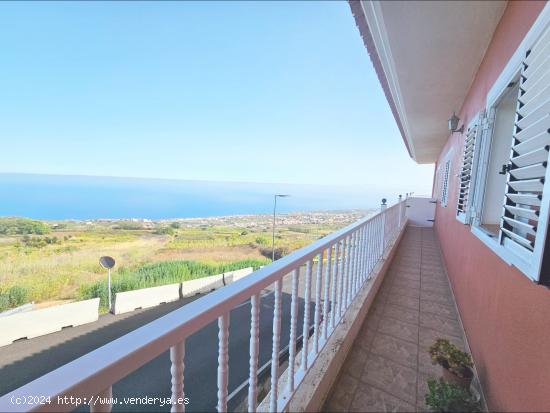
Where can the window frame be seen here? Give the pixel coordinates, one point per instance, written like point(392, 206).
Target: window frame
point(466, 217)
point(532, 268)
point(447, 166)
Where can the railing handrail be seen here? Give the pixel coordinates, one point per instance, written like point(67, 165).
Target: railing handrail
point(91, 373)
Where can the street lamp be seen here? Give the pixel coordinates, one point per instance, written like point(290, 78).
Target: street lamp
point(108, 263)
point(274, 210)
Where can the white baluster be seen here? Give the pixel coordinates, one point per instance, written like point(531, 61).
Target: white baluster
point(347, 262)
point(334, 288)
point(254, 352)
point(326, 292)
point(317, 319)
point(293, 322)
point(223, 361)
point(102, 402)
point(305, 328)
point(358, 260)
point(342, 277)
point(177, 353)
point(275, 349)
point(351, 265)
point(364, 245)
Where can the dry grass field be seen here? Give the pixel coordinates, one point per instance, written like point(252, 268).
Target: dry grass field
point(59, 260)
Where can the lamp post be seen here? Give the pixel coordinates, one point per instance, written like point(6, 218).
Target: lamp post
point(108, 263)
point(274, 211)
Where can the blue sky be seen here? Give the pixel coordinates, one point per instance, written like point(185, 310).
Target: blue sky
point(262, 92)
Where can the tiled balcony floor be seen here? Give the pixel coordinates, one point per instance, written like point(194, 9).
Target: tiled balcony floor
point(388, 365)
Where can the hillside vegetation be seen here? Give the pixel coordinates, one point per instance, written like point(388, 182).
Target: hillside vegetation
point(48, 262)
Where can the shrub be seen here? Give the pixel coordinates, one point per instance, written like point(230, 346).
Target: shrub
point(13, 297)
point(175, 225)
point(22, 226)
point(445, 397)
point(449, 356)
point(129, 225)
point(280, 252)
point(165, 231)
point(160, 273)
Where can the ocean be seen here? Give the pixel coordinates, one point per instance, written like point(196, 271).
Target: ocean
point(59, 197)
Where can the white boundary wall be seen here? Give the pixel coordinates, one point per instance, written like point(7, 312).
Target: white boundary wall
point(149, 297)
point(146, 297)
point(36, 323)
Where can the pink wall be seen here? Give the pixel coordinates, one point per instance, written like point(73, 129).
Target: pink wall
point(506, 316)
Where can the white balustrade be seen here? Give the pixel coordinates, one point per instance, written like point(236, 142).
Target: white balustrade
point(277, 308)
point(327, 285)
point(293, 323)
point(351, 255)
point(317, 318)
point(223, 361)
point(305, 328)
point(254, 352)
point(177, 353)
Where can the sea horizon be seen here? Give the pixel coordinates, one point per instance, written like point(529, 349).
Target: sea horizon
point(78, 197)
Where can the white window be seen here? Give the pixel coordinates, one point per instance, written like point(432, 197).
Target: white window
point(470, 155)
point(497, 141)
point(511, 200)
point(445, 185)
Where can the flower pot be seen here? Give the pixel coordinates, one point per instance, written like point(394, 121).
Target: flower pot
point(464, 380)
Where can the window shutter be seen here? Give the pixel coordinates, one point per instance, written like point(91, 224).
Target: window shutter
point(468, 170)
point(524, 221)
point(445, 189)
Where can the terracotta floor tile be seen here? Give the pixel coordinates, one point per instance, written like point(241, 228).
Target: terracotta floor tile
point(400, 351)
point(355, 362)
point(401, 314)
point(399, 329)
point(437, 297)
point(370, 399)
point(344, 390)
point(403, 301)
point(442, 324)
point(389, 363)
point(394, 378)
point(406, 291)
point(443, 310)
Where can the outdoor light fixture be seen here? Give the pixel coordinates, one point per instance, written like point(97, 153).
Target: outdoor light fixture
point(108, 263)
point(453, 124)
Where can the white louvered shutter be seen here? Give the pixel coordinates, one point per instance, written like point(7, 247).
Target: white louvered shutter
point(524, 222)
point(445, 188)
point(468, 171)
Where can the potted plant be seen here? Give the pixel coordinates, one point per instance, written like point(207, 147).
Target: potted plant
point(457, 365)
point(446, 397)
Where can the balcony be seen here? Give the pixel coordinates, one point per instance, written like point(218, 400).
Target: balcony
point(372, 297)
point(388, 365)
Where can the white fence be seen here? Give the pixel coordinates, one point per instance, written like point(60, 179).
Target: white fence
point(36, 323)
point(345, 260)
point(149, 297)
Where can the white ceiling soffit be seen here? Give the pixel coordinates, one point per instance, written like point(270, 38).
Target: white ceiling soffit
point(430, 52)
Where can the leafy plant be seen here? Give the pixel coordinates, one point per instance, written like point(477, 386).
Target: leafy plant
point(446, 354)
point(13, 297)
point(165, 230)
point(22, 226)
point(445, 397)
point(161, 273)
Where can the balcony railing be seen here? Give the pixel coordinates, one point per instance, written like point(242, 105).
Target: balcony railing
point(344, 261)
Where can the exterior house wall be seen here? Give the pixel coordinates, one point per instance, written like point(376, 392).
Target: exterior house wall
point(505, 315)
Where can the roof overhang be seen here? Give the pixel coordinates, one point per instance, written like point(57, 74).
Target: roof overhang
point(426, 55)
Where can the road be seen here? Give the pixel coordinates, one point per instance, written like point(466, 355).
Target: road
point(27, 360)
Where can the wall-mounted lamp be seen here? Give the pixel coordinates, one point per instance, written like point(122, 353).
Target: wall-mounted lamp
point(453, 124)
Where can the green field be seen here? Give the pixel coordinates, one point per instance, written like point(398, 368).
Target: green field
point(50, 262)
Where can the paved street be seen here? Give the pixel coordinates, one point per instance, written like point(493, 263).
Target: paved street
point(26, 360)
